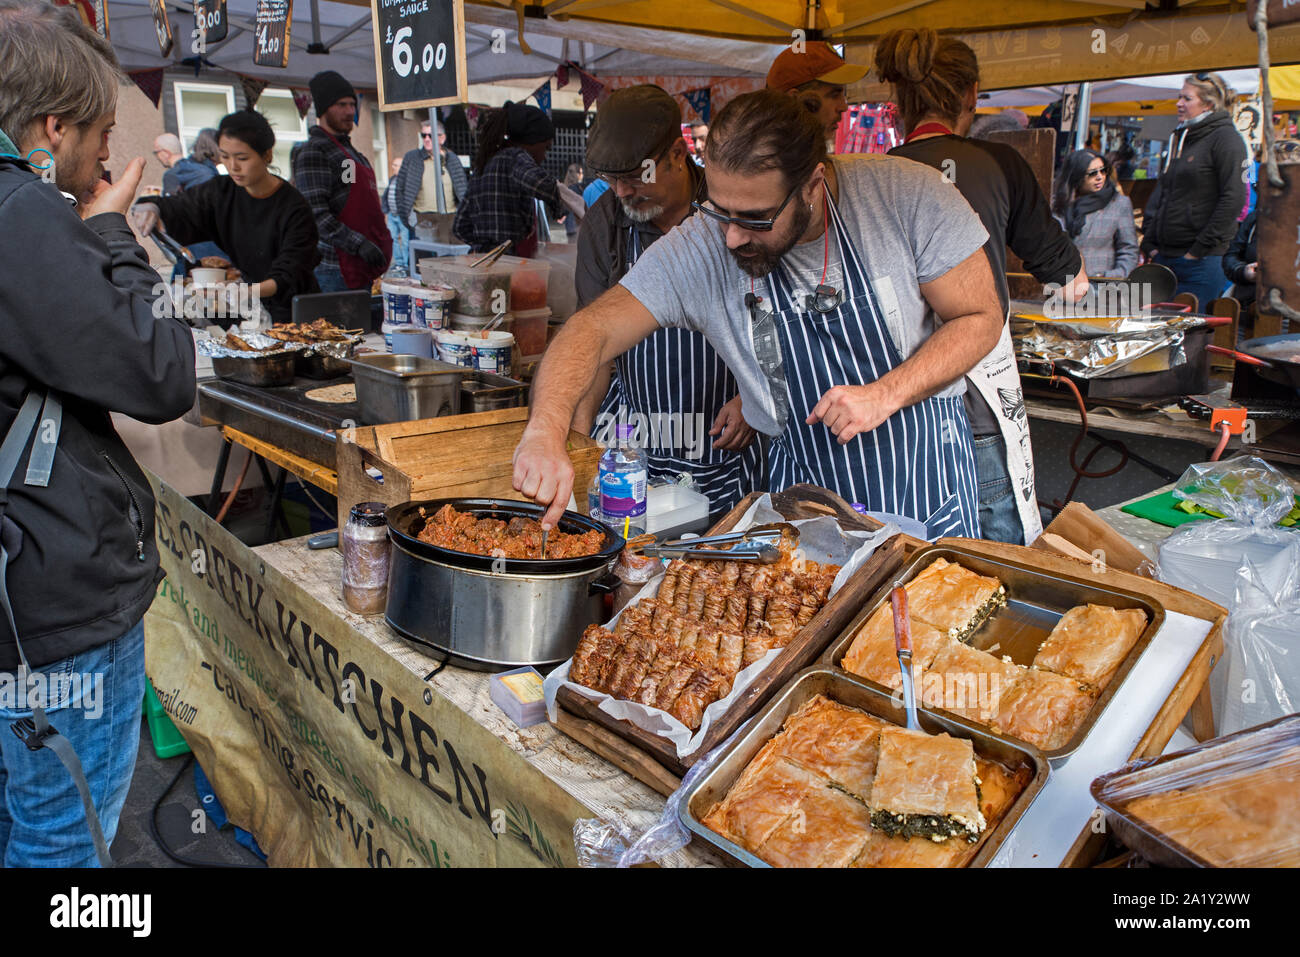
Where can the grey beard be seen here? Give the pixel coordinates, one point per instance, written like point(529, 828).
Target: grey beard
point(643, 213)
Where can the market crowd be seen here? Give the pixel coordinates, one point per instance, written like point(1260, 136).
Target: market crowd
point(836, 319)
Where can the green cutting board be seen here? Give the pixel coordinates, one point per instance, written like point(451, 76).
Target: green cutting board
point(1163, 510)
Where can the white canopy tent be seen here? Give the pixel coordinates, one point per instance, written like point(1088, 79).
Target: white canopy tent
point(343, 35)
point(1136, 89)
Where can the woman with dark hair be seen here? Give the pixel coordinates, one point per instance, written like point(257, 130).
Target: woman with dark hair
point(508, 177)
point(936, 86)
point(1192, 215)
point(263, 223)
point(1097, 215)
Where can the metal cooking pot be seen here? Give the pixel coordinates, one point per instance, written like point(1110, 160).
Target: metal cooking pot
point(491, 614)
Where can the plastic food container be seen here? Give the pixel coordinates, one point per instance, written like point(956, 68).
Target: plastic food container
point(519, 694)
point(397, 301)
point(528, 283)
point(454, 347)
point(493, 352)
point(430, 306)
point(675, 510)
point(529, 330)
point(413, 341)
point(206, 276)
point(481, 291)
point(460, 322)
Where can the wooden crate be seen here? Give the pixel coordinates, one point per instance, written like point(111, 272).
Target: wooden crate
point(652, 759)
point(456, 455)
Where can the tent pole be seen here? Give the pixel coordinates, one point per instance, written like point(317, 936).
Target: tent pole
point(1083, 116)
point(315, 22)
point(437, 159)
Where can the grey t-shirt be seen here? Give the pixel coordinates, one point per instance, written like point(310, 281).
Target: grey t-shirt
point(909, 227)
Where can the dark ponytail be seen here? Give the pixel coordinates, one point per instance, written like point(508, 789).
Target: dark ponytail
point(930, 74)
point(491, 138)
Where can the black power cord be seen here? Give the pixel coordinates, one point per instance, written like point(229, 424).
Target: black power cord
point(157, 835)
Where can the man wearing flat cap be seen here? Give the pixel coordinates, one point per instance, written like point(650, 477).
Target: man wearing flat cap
point(817, 76)
point(338, 183)
point(673, 386)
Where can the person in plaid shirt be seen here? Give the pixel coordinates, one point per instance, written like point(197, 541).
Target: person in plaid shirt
point(338, 183)
point(508, 176)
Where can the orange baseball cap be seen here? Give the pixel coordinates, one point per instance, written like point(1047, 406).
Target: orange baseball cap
point(818, 61)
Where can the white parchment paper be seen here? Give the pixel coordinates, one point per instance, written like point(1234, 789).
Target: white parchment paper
point(822, 541)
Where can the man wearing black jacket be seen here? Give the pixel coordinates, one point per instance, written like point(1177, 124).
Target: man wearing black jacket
point(79, 306)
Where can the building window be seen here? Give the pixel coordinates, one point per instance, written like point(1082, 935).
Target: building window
point(200, 105)
point(290, 129)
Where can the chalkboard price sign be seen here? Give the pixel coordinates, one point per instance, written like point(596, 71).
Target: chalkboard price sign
point(420, 52)
point(271, 33)
point(210, 20)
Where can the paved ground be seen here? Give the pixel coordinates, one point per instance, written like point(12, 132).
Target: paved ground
point(136, 847)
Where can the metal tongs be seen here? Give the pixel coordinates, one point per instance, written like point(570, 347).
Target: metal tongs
point(491, 256)
point(758, 544)
point(903, 644)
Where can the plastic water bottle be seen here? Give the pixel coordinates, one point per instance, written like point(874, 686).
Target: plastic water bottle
point(593, 497)
point(624, 472)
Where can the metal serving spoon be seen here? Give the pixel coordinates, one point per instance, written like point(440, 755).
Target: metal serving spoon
point(903, 644)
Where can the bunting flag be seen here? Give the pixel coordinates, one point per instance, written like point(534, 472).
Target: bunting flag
point(562, 76)
point(543, 95)
point(699, 101)
point(150, 83)
point(302, 100)
point(592, 89)
point(198, 62)
point(253, 88)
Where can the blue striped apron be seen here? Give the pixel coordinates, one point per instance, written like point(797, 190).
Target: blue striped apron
point(919, 463)
point(677, 371)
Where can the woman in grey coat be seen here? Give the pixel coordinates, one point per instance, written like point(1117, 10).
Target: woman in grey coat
point(1097, 215)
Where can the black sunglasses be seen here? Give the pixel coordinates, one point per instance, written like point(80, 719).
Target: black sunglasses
point(753, 225)
point(1102, 171)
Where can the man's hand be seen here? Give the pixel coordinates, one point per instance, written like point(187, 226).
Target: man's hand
point(373, 256)
point(733, 432)
point(1251, 271)
point(118, 197)
point(544, 473)
point(1191, 257)
point(848, 410)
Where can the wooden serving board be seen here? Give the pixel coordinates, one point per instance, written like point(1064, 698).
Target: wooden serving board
point(639, 746)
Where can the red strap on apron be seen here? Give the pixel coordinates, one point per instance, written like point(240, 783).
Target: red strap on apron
point(926, 128)
point(363, 213)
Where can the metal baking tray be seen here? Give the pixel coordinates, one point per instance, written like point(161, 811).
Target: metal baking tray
point(847, 690)
point(400, 388)
point(1113, 790)
point(260, 370)
point(484, 391)
point(1036, 601)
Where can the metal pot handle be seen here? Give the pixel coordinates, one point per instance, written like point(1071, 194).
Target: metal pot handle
point(604, 585)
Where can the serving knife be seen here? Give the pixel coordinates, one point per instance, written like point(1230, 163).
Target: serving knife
point(903, 644)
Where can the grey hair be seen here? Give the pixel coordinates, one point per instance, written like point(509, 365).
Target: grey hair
point(52, 64)
point(205, 146)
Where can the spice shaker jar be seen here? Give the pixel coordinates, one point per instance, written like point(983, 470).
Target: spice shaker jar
point(367, 553)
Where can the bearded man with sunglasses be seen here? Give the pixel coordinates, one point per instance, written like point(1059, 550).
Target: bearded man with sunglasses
point(674, 376)
point(849, 297)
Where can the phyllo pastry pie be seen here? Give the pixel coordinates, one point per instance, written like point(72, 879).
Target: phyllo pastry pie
point(767, 792)
point(828, 829)
point(968, 682)
point(833, 740)
point(1090, 641)
point(925, 787)
point(1043, 708)
point(873, 655)
point(1206, 826)
point(953, 599)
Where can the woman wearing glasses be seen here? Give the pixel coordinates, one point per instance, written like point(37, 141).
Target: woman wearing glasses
point(936, 84)
point(1097, 215)
point(1201, 192)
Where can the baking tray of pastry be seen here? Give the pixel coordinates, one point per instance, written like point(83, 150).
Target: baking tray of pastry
point(1032, 655)
point(1230, 802)
point(816, 808)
